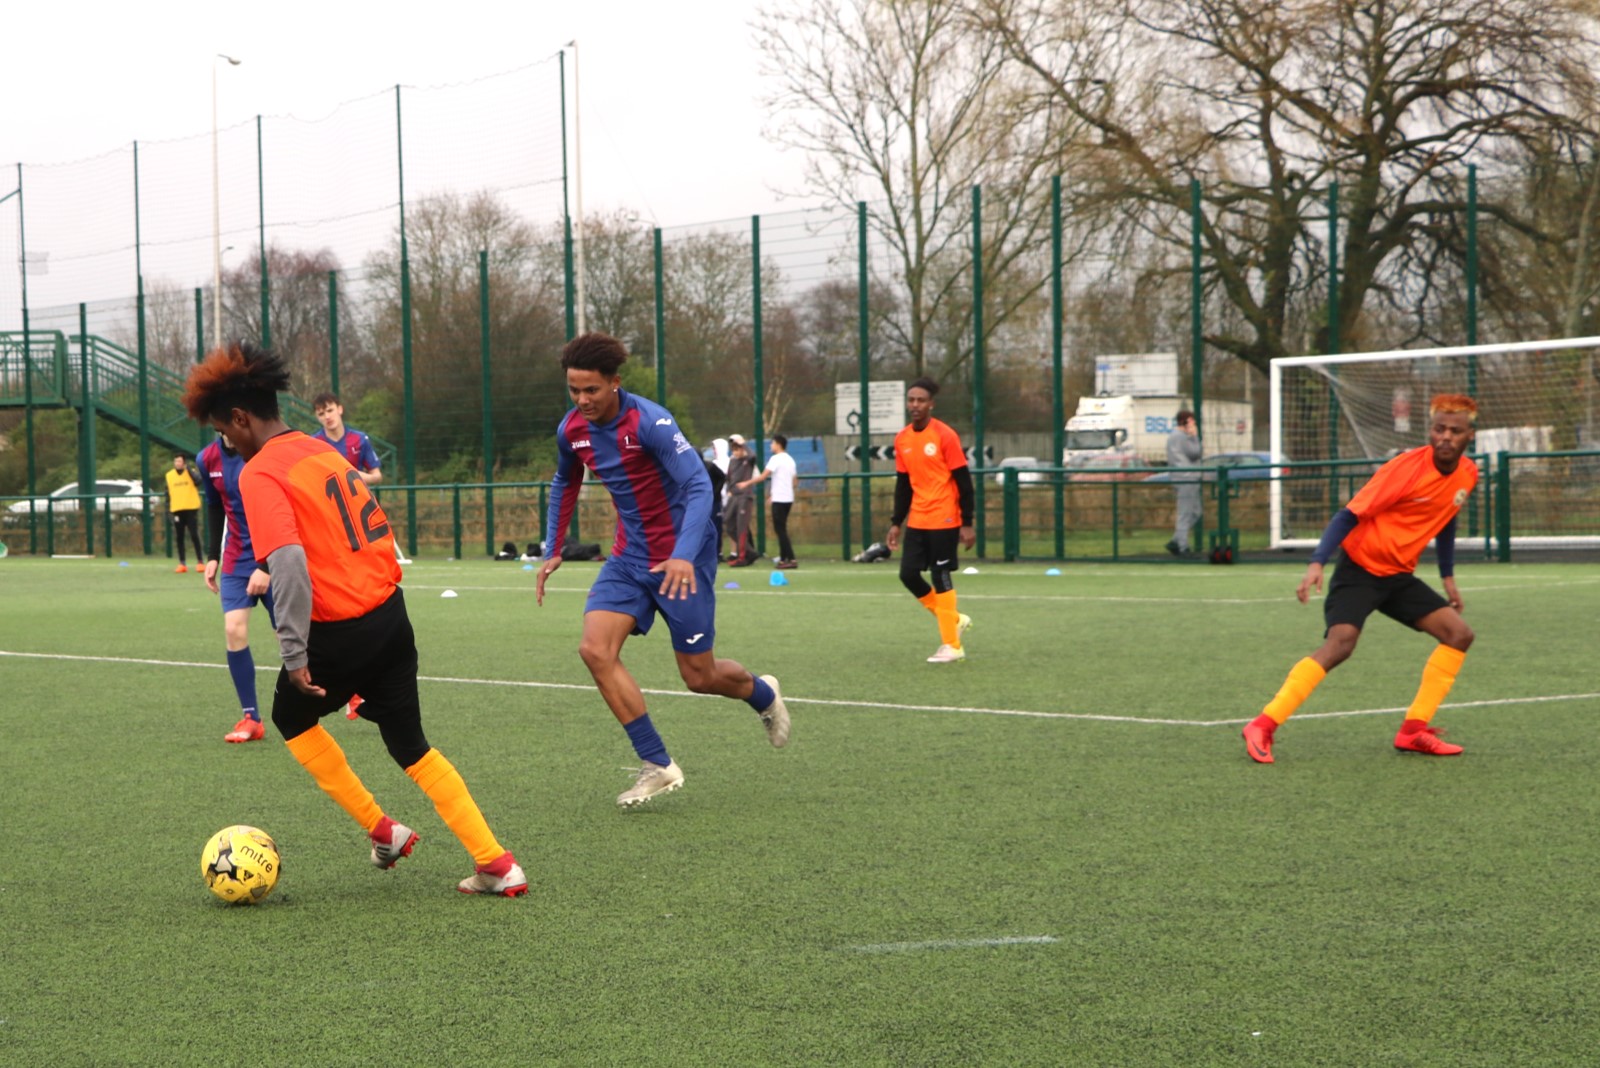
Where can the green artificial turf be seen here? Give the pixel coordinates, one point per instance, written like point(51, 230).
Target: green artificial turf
point(1055, 853)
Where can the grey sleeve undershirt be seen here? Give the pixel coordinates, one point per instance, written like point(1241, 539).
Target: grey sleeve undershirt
point(291, 600)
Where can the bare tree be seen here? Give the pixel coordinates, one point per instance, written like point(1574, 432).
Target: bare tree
point(1266, 103)
point(297, 311)
point(445, 235)
point(897, 106)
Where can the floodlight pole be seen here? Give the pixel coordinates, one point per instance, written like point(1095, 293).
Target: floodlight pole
point(216, 210)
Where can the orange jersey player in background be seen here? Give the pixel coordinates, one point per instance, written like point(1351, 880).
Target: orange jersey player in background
point(1410, 501)
point(933, 499)
point(340, 615)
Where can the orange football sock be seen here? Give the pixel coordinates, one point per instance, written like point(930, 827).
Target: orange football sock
point(949, 618)
point(319, 754)
point(448, 792)
point(1303, 678)
point(1438, 675)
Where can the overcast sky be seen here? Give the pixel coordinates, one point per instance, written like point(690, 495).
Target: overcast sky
point(670, 93)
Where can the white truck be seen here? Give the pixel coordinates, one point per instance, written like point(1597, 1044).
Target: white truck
point(1137, 427)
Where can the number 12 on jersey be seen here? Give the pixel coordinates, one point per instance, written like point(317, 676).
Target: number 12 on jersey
point(370, 525)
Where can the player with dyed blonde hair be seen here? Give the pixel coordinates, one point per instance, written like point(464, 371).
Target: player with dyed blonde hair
point(1411, 500)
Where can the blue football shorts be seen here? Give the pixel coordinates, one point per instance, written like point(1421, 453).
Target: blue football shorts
point(234, 596)
point(630, 587)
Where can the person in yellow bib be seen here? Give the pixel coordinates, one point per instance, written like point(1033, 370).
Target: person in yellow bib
point(183, 504)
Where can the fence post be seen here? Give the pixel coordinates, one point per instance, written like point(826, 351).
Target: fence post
point(455, 518)
point(1116, 521)
point(661, 322)
point(1333, 340)
point(1058, 411)
point(410, 439)
point(488, 403)
point(863, 372)
point(978, 371)
point(1502, 501)
point(261, 208)
point(760, 385)
point(844, 517)
point(1012, 509)
point(86, 433)
point(1197, 345)
point(333, 332)
point(1472, 277)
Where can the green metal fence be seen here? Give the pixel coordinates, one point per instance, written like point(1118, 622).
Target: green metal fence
point(1526, 500)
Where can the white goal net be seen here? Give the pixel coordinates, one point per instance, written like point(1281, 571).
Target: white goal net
point(1335, 418)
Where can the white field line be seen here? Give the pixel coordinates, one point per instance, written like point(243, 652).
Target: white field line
point(954, 943)
point(1159, 721)
point(897, 593)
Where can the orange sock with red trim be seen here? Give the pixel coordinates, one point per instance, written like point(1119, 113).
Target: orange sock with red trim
point(1303, 678)
point(1438, 675)
point(319, 754)
point(448, 792)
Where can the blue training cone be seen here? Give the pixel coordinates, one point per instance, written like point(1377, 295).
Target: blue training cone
point(1052, 571)
point(730, 585)
point(778, 578)
point(527, 567)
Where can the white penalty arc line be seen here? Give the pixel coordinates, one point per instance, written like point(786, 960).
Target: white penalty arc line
point(954, 943)
point(1100, 717)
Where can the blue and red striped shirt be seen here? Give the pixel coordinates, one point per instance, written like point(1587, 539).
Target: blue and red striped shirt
point(219, 477)
point(355, 447)
point(657, 481)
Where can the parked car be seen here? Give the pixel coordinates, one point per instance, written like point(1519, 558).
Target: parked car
point(1106, 467)
point(1240, 465)
point(124, 495)
point(1023, 476)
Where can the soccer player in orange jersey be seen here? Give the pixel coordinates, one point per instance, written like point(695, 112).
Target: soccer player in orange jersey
point(340, 616)
point(1410, 501)
point(933, 500)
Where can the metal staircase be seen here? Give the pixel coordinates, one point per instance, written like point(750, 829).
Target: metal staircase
point(54, 365)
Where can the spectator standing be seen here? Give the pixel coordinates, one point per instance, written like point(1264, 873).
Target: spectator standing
point(741, 507)
point(781, 470)
point(1184, 450)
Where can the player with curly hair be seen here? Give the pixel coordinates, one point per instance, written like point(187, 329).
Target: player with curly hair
point(663, 561)
point(340, 615)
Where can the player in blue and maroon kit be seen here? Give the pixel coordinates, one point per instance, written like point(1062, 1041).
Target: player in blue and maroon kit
point(347, 441)
point(664, 558)
point(231, 570)
point(355, 447)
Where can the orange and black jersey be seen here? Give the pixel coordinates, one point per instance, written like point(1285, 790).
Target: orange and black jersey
point(299, 491)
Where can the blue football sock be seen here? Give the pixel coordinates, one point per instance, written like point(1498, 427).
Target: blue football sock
point(242, 666)
point(646, 742)
point(761, 695)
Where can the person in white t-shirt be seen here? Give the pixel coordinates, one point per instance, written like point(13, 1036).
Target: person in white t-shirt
point(781, 469)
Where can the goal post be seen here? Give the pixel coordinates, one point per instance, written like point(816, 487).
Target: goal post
point(1335, 418)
